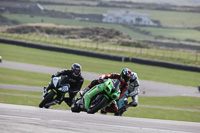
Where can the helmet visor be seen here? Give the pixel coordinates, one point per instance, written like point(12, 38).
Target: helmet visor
point(126, 78)
point(76, 72)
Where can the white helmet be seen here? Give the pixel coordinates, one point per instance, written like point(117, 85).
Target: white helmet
point(134, 76)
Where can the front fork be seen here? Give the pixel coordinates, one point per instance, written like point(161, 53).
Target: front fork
point(48, 89)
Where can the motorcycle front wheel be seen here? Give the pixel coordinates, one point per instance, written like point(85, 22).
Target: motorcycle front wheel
point(97, 103)
point(47, 99)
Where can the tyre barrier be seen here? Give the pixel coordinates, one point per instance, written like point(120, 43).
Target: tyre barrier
point(165, 64)
point(66, 50)
point(102, 55)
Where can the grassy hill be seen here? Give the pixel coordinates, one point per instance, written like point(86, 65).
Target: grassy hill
point(178, 25)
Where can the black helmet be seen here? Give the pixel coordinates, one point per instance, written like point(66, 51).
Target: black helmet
point(76, 69)
point(125, 74)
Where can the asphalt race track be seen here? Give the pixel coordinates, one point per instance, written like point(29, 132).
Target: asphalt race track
point(23, 119)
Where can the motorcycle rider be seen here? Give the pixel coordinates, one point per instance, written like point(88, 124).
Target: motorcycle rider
point(133, 89)
point(133, 92)
point(75, 81)
point(123, 77)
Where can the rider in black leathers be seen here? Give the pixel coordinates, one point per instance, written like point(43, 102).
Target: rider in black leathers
point(75, 81)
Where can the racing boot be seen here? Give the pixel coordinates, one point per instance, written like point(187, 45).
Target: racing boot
point(112, 108)
point(68, 101)
point(54, 102)
point(134, 103)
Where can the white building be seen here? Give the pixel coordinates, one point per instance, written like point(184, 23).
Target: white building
point(127, 17)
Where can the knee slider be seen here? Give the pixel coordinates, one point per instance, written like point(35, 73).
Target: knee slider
point(134, 104)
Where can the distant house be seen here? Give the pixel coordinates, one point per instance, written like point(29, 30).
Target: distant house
point(127, 17)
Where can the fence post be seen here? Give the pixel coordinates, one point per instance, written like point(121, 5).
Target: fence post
point(163, 54)
point(155, 52)
point(122, 59)
point(188, 56)
point(147, 52)
point(97, 45)
point(171, 54)
point(140, 50)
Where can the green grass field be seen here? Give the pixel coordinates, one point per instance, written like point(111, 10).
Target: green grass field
point(174, 19)
point(181, 34)
point(77, 9)
point(63, 60)
point(170, 55)
point(174, 33)
point(167, 18)
point(18, 77)
point(89, 2)
point(165, 114)
point(70, 22)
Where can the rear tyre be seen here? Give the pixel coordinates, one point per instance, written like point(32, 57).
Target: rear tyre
point(47, 99)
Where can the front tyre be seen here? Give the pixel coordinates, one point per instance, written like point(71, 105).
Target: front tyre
point(95, 106)
point(47, 99)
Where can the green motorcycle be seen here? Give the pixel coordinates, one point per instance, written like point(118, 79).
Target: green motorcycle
point(97, 97)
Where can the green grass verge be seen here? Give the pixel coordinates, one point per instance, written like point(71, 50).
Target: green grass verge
point(175, 101)
point(63, 60)
point(19, 77)
point(30, 98)
point(165, 114)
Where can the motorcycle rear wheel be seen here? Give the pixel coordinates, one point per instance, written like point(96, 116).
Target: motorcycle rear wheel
point(93, 108)
point(47, 99)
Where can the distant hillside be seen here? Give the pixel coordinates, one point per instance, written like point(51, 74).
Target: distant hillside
point(168, 2)
point(4, 21)
point(68, 31)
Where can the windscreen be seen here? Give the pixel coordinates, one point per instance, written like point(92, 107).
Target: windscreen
point(116, 84)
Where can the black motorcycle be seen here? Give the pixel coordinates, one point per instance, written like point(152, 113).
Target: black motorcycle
point(57, 89)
